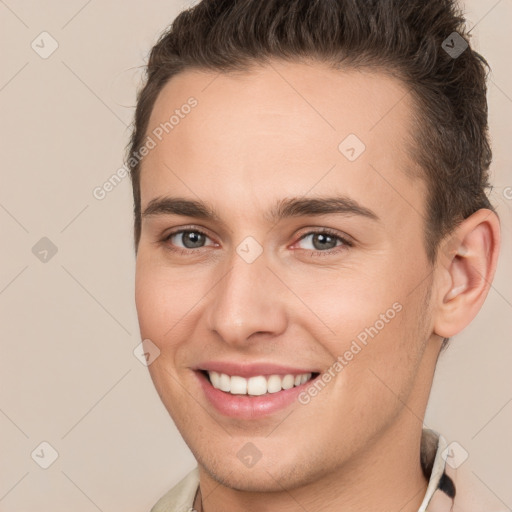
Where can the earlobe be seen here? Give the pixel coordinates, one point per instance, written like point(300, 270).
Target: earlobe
point(465, 279)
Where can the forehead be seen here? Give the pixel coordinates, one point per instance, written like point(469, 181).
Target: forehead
point(283, 129)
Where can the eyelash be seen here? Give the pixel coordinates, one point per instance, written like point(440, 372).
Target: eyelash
point(324, 231)
point(345, 243)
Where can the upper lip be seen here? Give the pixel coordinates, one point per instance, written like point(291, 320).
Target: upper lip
point(252, 370)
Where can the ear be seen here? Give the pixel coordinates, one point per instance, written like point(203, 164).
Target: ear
point(465, 269)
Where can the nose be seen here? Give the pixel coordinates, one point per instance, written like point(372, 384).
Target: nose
point(247, 303)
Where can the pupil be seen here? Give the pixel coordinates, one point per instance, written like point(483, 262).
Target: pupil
point(192, 239)
point(323, 238)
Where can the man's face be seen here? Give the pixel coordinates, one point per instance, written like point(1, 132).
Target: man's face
point(255, 141)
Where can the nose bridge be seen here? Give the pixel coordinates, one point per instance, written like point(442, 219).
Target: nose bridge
point(245, 301)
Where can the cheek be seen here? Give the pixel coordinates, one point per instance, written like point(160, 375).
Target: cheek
point(391, 356)
point(155, 299)
point(167, 300)
point(161, 310)
point(345, 305)
point(370, 325)
point(148, 301)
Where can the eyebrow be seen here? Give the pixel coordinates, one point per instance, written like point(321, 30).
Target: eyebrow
point(285, 208)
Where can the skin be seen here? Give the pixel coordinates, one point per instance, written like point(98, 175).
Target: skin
point(262, 136)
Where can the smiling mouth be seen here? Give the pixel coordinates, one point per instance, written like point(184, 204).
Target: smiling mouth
point(257, 385)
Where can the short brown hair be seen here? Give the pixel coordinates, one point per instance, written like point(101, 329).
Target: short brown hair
point(403, 38)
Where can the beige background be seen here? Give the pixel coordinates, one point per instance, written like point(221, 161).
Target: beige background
point(68, 326)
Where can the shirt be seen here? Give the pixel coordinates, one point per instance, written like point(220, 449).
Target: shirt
point(452, 486)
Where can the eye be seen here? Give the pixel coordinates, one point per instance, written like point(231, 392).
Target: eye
point(324, 240)
point(190, 239)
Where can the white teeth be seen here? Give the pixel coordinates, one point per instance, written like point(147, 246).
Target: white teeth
point(258, 385)
point(288, 381)
point(274, 384)
point(215, 378)
point(238, 385)
point(224, 382)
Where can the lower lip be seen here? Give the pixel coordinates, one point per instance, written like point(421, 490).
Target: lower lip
point(250, 407)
